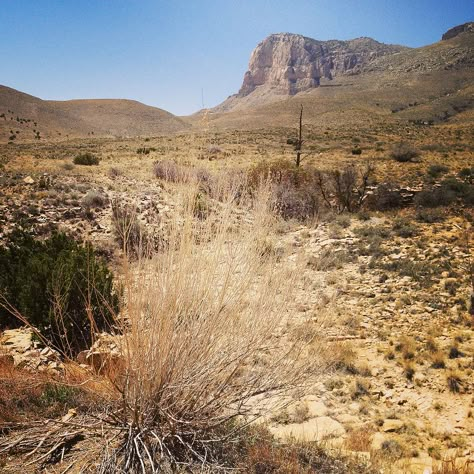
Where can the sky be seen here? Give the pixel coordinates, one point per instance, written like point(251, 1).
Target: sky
point(181, 54)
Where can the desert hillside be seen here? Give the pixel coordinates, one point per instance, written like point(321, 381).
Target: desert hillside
point(27, 117)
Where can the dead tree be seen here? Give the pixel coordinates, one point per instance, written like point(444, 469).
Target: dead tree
point(299, 141)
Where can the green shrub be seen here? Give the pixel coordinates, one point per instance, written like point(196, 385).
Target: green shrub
point(434, 198)
point(437, 170)
point(385, 197)
point(429, 216)
point(404, 228)
point(357, 151)
point(467, 175)
point(87, 159)
point(404, 152)
point(57, 285)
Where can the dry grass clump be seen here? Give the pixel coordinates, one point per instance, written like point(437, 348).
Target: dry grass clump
point(170, 171)
point(359, 439)
point(454, 381)
point(204, 351)
point(202, 317)
point(407, 346)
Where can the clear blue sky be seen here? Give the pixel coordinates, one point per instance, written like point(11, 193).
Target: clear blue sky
point(163, 52)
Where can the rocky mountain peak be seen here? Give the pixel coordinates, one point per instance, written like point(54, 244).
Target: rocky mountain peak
point(457, 30)
point(291, 63)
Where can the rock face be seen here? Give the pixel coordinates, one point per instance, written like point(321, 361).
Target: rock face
point(457, 30)
point(293, 63)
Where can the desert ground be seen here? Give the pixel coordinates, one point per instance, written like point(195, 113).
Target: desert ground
point(381, 295)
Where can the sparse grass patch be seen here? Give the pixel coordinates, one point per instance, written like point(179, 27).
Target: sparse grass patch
point(404, 228)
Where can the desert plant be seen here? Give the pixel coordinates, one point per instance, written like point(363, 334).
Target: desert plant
point(437, 170)
point(86, 159)
point(404, 152)
point(200, 338)
point(454, 381)
point(58, 286)
point(171, 171)
point(467, 175)
point(94, 199)
point(129, 233)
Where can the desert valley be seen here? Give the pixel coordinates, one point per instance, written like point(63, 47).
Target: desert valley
point(283, 283)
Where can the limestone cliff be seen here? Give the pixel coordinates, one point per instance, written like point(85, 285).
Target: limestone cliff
point(291, 63)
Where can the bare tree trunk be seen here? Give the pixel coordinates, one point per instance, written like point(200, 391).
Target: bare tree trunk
point(299, 142)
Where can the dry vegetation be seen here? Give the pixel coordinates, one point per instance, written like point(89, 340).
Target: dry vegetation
point(307, 305)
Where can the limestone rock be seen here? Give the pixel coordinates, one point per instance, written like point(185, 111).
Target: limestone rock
point(457, 30)
point(315, 429)
point(390, 425)
point(293, 63)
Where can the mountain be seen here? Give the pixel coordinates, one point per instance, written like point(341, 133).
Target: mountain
point(26, 116)
point(343, 82)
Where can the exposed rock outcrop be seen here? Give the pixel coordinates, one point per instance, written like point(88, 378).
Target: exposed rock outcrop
point(293, 63)
point(457, 30)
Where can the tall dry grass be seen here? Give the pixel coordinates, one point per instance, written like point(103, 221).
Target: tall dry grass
point(204, 339)
point(203, 334)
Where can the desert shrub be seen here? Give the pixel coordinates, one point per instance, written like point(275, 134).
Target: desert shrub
point(56, 285)
point(385, 197)
point(450, 190)
point(392, 448)
point(454, 381)
point(356, 151)
point(429, 216)
point(170, 171)
point(437, 360)
point(129, 233)
point(87, 159)
point(295, 192)
point(278, 172)
point(201, 316)
point(434, 198)
point(94, 199)
point(404, 228)
point(145, 150)
point(345, 189)
point(373, 231)
point(404, 152)
point(437, 170)
point(261, 454)
point(296, 202)
point(467, 175)
point(114, 172)
point(67, 166)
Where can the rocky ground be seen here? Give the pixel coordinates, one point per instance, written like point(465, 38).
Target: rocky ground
point(393, 289)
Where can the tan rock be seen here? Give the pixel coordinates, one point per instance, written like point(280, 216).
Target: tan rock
point(391, 425)
point(315, 429)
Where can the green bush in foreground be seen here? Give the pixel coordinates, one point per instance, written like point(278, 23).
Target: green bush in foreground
point(87, 159)
point(58, 286)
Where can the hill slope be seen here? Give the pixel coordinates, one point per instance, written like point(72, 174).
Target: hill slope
point(28, 115)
